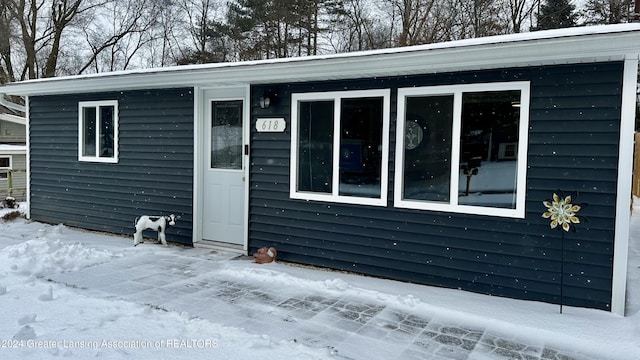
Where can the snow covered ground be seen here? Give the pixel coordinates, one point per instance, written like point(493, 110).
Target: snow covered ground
point(47, 320)
point(44, 320)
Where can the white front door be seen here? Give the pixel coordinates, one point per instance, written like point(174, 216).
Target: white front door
point(223, 215)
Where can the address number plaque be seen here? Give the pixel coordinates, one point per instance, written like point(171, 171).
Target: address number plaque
point(271, 125)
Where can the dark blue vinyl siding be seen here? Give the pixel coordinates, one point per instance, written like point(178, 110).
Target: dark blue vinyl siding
point(573, 147)
point(154, 174)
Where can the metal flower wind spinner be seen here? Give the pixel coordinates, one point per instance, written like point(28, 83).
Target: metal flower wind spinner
point(561, 212)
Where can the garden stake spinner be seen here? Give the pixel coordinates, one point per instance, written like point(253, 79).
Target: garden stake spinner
point(563, 216)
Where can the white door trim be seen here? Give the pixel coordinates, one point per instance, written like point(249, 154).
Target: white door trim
point(199, 164)
point(198, 173)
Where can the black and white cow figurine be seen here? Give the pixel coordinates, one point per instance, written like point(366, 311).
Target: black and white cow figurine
point(157, 223)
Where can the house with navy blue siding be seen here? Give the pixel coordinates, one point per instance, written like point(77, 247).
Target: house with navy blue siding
point(457, 164)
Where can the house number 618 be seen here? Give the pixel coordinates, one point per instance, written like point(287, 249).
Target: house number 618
point(270, 125)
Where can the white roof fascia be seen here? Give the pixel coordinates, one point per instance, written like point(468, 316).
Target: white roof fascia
point(6, 149)
point(13, 118)
point(565, 46)
point(9, 105)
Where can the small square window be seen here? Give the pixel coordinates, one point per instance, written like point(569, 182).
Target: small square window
point(98, 131)
point(5, 167)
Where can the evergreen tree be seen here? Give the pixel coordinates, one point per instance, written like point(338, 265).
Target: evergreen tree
point(217, 47)
point(556, 14)
point(277, 28)
point(607, 11)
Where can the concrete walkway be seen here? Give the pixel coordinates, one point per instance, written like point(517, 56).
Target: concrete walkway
point(193, 281)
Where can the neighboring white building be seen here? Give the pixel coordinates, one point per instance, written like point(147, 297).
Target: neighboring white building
point(13, 150)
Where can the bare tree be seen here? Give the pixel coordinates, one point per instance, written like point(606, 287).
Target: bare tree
point(480, 18)
point(44, 38)
point(62, 13)
point(415, 18)
point(26, 16)
point(356, 26)
point(199, 14)
point(170, 35)
point(114, 42)
point(41, 25)
point(166, 44)
point(519, 11)
point(6, 32)
point(424, 21)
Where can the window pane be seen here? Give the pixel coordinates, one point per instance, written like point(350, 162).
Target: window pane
point(107, 131)
point(489, 148)
point(89, 131)
point(315, 146)
point(5, 166)
point(427, 148)
point(361, 147)
point(226, 134)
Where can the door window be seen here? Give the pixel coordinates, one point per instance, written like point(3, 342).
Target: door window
point(226, 134)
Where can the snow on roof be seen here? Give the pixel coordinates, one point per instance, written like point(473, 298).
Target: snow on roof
point(594, 43)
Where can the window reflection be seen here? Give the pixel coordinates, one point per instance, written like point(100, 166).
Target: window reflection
point(360, 147)
point(479, 167)
point(89, 131)
point(106, 131)
point(427, 148)
point(489, 148)
point(226, 134)
point(315, 149)
point(350, 166)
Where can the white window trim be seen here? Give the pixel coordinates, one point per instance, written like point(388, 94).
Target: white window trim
point(8, 168)
point(336, 96)
point(97, 105)
point(453, 206)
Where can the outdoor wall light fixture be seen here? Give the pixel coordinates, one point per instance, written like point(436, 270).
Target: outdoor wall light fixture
point(265, 101)
point(269, 98)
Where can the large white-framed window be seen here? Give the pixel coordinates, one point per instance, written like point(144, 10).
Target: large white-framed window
point(6, 164)
point(340, 146)
point(463, 148)
point(98, 131)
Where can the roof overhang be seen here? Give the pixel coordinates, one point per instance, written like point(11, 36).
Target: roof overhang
point(564, 46)
point(6, 149)
point(13, 118)
point(10, 105)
